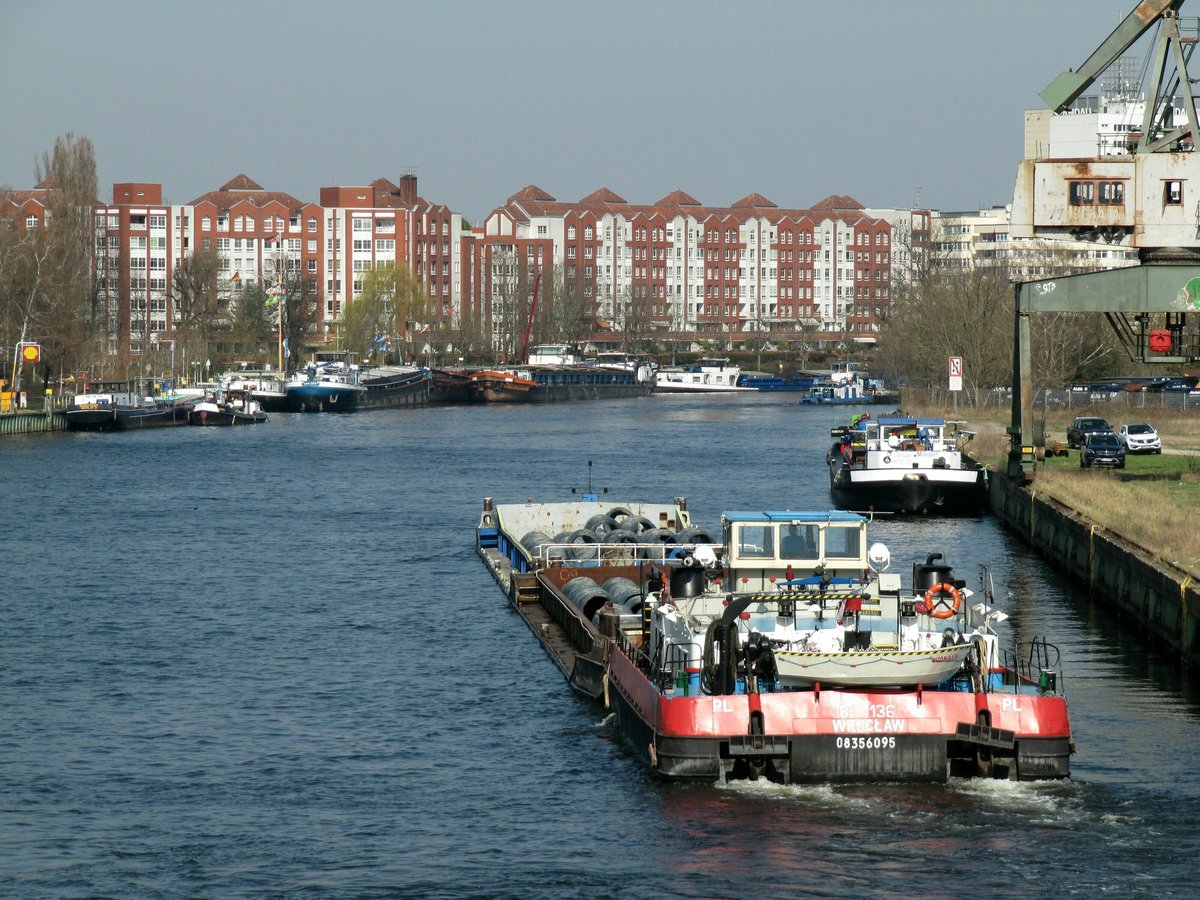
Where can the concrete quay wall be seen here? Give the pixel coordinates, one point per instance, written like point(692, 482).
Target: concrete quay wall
point(1159, 600)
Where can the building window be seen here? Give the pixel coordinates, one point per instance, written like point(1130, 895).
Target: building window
point(1112, 193)
point(1082, 193)
point(1173, 193)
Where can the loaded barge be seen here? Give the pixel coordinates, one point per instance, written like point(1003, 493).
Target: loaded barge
point(779, 647)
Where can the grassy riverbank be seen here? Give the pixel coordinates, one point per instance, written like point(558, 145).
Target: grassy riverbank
point(1151, 502)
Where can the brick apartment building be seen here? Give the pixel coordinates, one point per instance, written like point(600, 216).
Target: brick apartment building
point(254, 232)
point(750, 267)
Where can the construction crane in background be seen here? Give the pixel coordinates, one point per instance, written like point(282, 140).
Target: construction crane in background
point(1142, 191)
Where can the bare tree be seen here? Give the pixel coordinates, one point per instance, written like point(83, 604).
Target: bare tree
point(48, 285)
point(298, 305)
point(373, 313)
point(250, 328)
point(637, 316)
point(196, 301)
point(951, 312)
point(564, 314)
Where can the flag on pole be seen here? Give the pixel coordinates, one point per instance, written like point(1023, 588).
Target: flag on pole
point(271, 239)
point(235, 277)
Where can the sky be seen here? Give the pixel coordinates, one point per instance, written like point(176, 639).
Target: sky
point(897, 103)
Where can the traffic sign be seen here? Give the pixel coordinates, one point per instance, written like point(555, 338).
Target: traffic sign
point(956, 371)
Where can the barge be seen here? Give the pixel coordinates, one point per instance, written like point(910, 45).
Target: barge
point(780, 647)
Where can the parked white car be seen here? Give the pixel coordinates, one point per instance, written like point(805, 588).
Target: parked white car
point(1140, 438)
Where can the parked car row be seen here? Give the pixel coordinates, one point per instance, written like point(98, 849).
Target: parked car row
point(1099, 445)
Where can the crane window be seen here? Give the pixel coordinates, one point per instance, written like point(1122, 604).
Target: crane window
point(1173, 193)
point(1091, 192)
point(1083, 193)
point(1112, 193)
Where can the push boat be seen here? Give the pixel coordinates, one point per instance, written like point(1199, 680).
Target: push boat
point(781, 648)
point(707, 376)
point(266, 387)
point(96, 408)
point(906, 465)
point(109, 406)
point(233, 407)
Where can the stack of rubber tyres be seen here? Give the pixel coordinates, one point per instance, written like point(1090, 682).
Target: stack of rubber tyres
point(617, 526)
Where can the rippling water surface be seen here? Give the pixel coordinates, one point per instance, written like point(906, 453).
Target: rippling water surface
point(267, 661)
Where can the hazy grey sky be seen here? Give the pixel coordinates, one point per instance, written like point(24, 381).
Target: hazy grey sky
point(795, 100)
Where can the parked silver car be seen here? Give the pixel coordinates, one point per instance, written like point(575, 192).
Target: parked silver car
point(1140, 438)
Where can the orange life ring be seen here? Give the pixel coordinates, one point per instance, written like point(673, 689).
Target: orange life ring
point(940, 610)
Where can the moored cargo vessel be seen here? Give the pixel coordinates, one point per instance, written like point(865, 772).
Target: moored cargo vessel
point(779, 647)
point(345, 387)
point(906, 465)
point(556, 372)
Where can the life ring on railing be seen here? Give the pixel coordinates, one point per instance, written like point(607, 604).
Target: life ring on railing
point(940, 610)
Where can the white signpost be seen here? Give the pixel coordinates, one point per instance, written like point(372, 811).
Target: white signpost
point(956, 373)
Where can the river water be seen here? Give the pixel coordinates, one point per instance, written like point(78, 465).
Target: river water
point(267, 661)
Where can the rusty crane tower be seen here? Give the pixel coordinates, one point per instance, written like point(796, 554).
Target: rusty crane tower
point(1146, 195)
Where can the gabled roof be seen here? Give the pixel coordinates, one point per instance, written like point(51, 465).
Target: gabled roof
point(754, 201)
point(532, 202)
point(531, 192)
point(678, 198)
point(241, 183)
point(242, 188)
point(21, 198)
point(603, 195)
point(838, 201)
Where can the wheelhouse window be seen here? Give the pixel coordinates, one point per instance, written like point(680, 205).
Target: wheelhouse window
point(843, 543)
point(756, 541)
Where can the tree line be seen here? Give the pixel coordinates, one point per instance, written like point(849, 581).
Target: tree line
point(947, 310)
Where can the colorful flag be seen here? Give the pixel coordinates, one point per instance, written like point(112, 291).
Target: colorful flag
point(235, 277)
